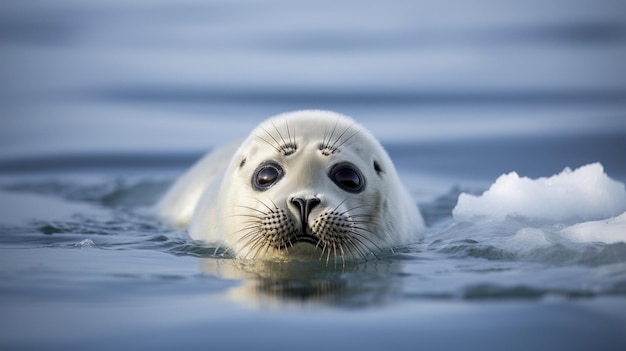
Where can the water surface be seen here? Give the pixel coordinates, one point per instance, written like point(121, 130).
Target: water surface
point(103, 105)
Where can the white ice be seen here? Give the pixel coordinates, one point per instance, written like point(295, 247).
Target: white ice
point(608, 231)
point(589, 205)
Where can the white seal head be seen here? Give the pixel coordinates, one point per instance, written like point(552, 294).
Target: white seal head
point(306, 184)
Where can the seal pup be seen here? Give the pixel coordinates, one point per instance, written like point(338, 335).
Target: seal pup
point(304, 184)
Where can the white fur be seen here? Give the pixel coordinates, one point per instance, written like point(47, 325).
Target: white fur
point(215, 196)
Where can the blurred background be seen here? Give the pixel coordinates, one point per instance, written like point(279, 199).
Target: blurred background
point(137, 76)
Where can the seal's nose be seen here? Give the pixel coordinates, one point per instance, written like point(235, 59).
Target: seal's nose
point(305, 205)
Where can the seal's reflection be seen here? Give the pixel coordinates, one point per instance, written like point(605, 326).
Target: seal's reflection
point(276, 283)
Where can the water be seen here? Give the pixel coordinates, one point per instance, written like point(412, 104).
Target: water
point(103, 105)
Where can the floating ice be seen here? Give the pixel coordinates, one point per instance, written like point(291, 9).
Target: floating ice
point(87, 243)
point(585, 194)
point(608, 231)
point(586, 202)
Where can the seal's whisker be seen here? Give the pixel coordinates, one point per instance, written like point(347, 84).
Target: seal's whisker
point(249, 225)
point(268, 143)
point(216, 249)
point(334, 146)
point(357, 207)
point(366, 222)
point(338, 205)
point(250, 208)
point(270, 135)
point(326, 134)
point(335, 255)
point(249, 234)
point(369, 251)
point(256, 228)
point(327, 255)
point(332, 133)
point(343, 254)
point(354, 244)
point(283, 145)
point(322, 253)
point(267, 248)
point(356, 234)
point(251, 243)
point(256, 247)
point(334, 141)
point(249, 230)
point(269, 208)
point(334, 246)
point(249, 238)
point(348, 138)
point(292, 141)
point(364, 215)
point(254, 217)
point(290, 144)
point(273, 204)
point(360, 243)
point(287, 128)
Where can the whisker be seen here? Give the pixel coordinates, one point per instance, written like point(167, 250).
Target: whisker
point(341, 203)
point(359, 246)
point(273, 203)
point(264, 205)
point(251, 209)
point(249, 238)
point(217, 247)
point(327, 256)
point(249, 243)
point(257, 248)
point(348, 138)
point(330, 137)
point(360, 237)
point(354, 245)
point(278, 148)
point(335, 251)
point(250, 228)
point(267, 249)
point(291, 141)
point(283, 146)
point(256, 217)
point(352, 210)
point(268, 143)
point(333, 146)
point(343, 254)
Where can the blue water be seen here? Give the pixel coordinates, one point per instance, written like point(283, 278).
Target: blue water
point(104, 103)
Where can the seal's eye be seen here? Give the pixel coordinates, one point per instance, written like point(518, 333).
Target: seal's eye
point(347, 177)
point(267, 175)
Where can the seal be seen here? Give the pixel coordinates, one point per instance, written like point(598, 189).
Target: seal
point(304, 184)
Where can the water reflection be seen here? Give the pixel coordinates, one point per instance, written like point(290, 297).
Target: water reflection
point(276, 283)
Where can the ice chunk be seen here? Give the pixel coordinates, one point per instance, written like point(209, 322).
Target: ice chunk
point(87, 243)
point(585, 194)
point(607, 231)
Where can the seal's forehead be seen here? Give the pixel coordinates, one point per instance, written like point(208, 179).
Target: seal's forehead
point(330, 132)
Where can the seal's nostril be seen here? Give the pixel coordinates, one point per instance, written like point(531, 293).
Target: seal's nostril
point(305, 206)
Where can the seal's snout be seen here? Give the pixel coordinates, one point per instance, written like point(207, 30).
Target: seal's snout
point(304, 205)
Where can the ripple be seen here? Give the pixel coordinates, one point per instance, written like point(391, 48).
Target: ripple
point(490, 291)
point(116, 193)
